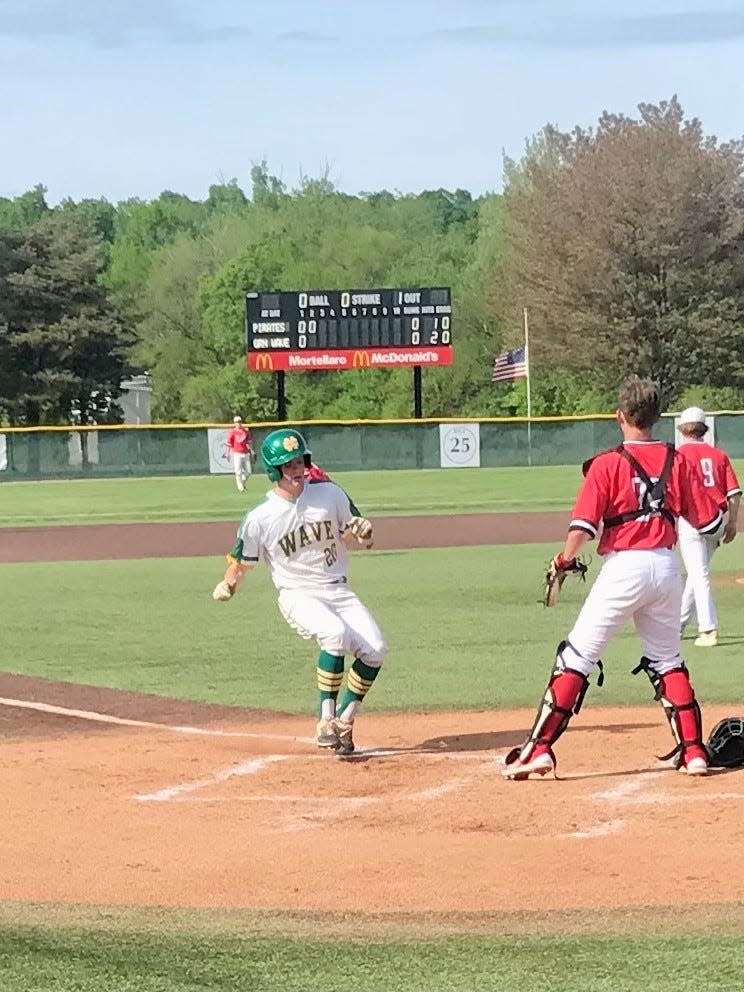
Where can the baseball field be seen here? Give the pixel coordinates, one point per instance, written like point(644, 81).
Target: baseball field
point(168, 823)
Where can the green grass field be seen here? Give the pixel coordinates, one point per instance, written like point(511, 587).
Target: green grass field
point(153, 951)
point(486, 490)
point(464, 626)
point(216, 498)
point(465, 631)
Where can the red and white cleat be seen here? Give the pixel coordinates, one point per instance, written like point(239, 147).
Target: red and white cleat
point(518, 770)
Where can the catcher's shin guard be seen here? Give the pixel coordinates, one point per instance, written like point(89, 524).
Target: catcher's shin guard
point(674, 691)
point(563, 698)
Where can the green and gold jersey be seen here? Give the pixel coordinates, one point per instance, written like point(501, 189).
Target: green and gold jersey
point(300, 540)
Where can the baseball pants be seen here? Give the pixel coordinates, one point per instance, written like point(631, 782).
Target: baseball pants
point(697, 550)
point(337, 619)
point(644, 586)
point(242, 468)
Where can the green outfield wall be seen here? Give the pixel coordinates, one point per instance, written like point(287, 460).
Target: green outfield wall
point(197, 449)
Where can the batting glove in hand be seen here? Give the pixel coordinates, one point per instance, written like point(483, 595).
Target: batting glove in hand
point(362, 530)
point(223, 591)
point(556, 574)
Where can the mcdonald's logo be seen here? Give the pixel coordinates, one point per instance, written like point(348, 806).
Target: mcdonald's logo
point(360, 360)
point(264, 363)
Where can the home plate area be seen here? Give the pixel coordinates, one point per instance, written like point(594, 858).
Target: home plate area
point(240, 809)
point(392, 789)
point(380, 787)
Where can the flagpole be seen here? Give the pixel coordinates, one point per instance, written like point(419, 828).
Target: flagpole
point(529, 396)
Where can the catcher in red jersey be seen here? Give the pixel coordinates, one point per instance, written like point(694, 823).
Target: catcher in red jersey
point(714, 473)
point(635, 493)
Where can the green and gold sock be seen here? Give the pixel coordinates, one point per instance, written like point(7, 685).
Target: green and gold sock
point(330, 676)
point(358, 683)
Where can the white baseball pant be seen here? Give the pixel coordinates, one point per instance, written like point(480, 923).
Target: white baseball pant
point(644, 586)
point(242, 467)
point(337, 619)
point(697, 550)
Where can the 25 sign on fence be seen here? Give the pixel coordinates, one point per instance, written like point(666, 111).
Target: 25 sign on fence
point(459, 445)
point(347, 329)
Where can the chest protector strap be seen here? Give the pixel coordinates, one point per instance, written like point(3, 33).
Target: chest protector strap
point(654, 493)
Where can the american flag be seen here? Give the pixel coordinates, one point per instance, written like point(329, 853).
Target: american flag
point(509, 365)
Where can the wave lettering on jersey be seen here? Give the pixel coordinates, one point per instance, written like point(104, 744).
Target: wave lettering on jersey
point(320, 530)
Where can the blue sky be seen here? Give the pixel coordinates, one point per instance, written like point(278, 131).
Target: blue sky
point(122, 98)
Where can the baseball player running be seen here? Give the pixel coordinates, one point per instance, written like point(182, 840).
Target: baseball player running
point(714, 472)
point(301, 531)
point(636, 491)
point(239, 444)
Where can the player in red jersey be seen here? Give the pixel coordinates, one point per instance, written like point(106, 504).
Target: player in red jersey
point(239, 445)
point(635, 492)
point(714, 472)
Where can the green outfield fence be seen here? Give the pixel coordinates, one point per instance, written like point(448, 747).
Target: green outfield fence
point(179, 449)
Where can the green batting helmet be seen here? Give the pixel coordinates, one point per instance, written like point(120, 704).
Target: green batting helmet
point(281, 447)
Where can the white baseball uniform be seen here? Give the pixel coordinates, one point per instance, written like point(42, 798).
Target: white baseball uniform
point(301, 542)
point(239, 442)
point(715, 474)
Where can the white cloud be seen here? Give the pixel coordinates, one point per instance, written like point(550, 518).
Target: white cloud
point(559, 29)
point(110, 23)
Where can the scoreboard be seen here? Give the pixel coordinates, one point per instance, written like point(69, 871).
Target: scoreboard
point(343, 329)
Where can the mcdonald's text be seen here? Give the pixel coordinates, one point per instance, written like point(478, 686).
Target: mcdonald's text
point(348, 359)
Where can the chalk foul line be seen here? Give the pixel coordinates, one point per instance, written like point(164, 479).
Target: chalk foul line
point(251, 767)
point(94, 717)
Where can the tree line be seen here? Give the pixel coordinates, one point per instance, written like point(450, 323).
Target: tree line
point(625, 242)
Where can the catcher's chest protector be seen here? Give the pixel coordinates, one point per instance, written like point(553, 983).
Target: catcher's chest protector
point(653, 493)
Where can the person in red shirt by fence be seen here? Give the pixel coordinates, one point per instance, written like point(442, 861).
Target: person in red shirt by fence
point(635, 493)
point(239, 447)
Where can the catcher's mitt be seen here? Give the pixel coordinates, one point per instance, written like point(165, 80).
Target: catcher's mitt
point(726, 743)
point(556, 574)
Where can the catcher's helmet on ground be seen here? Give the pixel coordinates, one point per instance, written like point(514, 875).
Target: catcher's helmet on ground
point(281, 447)
point(726, 743)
